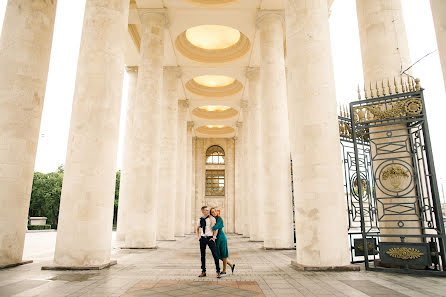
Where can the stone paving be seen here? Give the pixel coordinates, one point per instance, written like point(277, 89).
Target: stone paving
point(172, 270)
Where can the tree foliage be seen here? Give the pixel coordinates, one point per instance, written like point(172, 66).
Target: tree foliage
point(46, 191)
point(45, 195)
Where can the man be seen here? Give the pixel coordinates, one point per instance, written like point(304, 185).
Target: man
point(207, 237)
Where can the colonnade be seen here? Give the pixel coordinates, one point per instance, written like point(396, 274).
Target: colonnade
point(290, 112)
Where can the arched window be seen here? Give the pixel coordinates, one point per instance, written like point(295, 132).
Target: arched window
point(215, 155)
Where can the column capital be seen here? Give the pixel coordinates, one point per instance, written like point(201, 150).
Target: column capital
point(183, 103)
point(269, 14)
point(253, 73)
point(130, 69)
point(174, 69)
point(244, 104)
point(190, 124)
point(148, 14)
point(239, 124)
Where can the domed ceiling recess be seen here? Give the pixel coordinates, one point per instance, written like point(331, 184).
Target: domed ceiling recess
point(215, 112)
point(214, 86)
point(215, 130)
point(212, 2)
point(212, 44)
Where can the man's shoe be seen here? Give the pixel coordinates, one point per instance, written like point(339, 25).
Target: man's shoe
point(218, 275)
point(203, 274)
point(223, 272)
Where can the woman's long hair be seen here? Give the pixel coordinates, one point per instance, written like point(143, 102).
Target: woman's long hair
point(216, 217)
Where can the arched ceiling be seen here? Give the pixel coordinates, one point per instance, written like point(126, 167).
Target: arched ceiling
point(207, 38)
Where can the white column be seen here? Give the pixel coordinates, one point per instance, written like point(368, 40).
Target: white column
point(245, 195)
point(188, 217)
point(86, 204)
point(384, 46)
point(132, 73)
point(238, 183)
point(439, 15)
point(193, 189)
point(168, 159)
point(25, 48)
point(180, 204)
point(385, 51)
point(256, 198)
point(275, 143)
point(229, 186)
point(142, 173)
point(320, 205)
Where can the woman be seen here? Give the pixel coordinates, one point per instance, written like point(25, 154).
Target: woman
point(221, 242)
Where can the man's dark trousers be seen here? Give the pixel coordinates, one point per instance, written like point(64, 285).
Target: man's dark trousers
point(206, 241)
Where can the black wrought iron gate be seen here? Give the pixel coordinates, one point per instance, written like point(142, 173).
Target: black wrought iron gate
point(395, 217)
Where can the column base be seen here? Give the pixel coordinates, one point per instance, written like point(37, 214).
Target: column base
point(279, 249)
point(253, 240)
point(15, 264)
point(139, 248)
point(94, 267)
point(166, 240)
point(300, 267)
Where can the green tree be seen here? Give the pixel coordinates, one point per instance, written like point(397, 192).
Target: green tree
point(45, 195)
point(115, 209)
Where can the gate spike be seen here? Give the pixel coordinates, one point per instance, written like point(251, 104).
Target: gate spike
point(403, 85)
point(390, 87)
point(371, 92)
point(395, 85)
point(365, 91)
point(359, 93)
point(383, 88)
point(410, 84)
point(377, 89)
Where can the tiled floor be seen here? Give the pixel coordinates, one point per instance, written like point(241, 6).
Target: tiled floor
point(172, 269)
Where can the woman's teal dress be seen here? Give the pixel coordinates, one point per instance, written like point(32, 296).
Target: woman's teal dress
point(221, 242)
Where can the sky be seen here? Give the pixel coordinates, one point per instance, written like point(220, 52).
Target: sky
point(346, 59)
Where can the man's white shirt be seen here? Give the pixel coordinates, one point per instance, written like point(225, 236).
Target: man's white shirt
point(210, 222)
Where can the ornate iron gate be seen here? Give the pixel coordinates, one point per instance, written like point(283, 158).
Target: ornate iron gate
point(395, 216)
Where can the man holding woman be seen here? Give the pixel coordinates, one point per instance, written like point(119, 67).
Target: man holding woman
point(210, 233)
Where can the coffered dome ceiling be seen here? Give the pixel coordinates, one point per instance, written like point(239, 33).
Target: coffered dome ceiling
point(214, 112)
point(212, 44)
point(214, 86)
point(211, 3)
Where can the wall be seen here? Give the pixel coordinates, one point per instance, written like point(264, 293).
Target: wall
point(225, 203)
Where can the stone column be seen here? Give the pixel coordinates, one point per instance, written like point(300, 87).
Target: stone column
point(25, 48)
point(256, 199)
point(245, 195)
point(275, 143)
point(385, 52)
point(132, 73)
point(238, 184)
point(229, 185)
point(384, 46)
point(168, 159)
point(142, 173)
point(200, 169)
point(439, 14)
point(188, 209)
point(194, 185)
point(320, 204)
point(86, 204)
point(180, 204)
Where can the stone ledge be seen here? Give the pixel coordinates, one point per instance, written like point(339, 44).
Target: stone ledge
point(94, 267)
point(300, 267)
point(279, 249)
point(15, 264)
point(139, 248)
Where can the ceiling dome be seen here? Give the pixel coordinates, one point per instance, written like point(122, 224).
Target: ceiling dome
point(212, 44)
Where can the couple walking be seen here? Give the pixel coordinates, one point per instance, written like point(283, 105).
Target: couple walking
point(210, 233)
